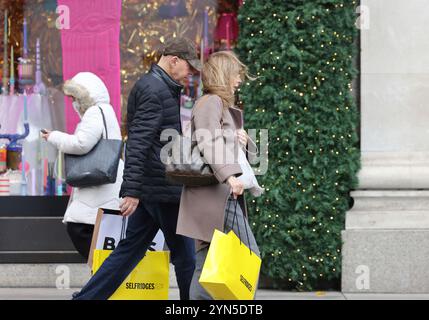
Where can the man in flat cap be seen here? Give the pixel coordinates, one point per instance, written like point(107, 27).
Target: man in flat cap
point(149, 200)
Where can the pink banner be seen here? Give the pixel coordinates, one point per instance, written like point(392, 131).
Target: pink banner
point(92, 44)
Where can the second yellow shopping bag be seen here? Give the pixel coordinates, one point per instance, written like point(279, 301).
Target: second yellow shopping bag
point(231, 269)
point(149, 280)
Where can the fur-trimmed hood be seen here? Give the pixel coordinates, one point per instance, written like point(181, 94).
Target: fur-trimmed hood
point(88, 89)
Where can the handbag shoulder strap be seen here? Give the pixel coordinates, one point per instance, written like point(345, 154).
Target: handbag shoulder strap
point(104, 121)
point(124, 228)
point(192, 116)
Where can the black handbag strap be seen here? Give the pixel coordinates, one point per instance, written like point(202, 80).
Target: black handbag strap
point(233, 222)
point(124, 228)
point(104, 121)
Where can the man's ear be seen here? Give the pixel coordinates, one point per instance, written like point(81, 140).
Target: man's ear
point(174, 60)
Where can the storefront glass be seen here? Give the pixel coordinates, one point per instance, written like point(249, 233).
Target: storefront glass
point(45, 42)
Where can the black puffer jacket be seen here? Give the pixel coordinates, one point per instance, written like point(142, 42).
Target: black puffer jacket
point(153, 105)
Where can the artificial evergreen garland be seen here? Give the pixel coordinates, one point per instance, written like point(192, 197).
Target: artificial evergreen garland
point(303, 54)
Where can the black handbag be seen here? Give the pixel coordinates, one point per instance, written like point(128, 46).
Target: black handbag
point(185, 163)
point(97, 167)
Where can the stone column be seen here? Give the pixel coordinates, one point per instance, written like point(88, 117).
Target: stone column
point(386, 240)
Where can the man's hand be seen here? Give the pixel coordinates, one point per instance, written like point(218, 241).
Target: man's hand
point(236, 186)
point(128, 206)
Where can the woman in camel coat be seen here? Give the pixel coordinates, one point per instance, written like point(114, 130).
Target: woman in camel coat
point(218, 130)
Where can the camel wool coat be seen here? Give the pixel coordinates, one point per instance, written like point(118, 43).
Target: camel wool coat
point(202, 209)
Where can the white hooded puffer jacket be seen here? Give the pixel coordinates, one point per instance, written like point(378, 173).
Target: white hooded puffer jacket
point(90, 90)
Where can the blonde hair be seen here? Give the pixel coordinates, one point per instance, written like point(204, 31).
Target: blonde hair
point(217, 75)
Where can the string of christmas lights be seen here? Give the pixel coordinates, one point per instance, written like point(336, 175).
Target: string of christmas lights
point(303, 55)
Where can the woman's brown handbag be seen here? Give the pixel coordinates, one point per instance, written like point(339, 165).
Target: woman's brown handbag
point(186, 164)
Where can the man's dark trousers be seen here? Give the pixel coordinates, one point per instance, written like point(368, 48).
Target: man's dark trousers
point(142, 228)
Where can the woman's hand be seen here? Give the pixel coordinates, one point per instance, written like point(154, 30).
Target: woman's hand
point(128, 206)
point(236, 186)
point(242, 136)
point(45, 134)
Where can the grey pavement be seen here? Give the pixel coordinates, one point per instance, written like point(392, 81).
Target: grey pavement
point(65, 294)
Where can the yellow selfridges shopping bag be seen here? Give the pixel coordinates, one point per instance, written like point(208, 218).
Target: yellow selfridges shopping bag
point(231, 269)
point(148, 281)
point(150, 278)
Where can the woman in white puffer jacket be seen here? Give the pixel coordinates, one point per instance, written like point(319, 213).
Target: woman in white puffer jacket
point(88, 93)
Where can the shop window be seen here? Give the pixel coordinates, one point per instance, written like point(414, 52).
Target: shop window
point(44, 42)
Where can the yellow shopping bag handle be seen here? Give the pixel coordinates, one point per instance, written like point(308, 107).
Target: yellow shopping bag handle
point(238, 226)
point(124, 228)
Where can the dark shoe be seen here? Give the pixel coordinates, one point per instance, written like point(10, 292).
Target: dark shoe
point(75, 295)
